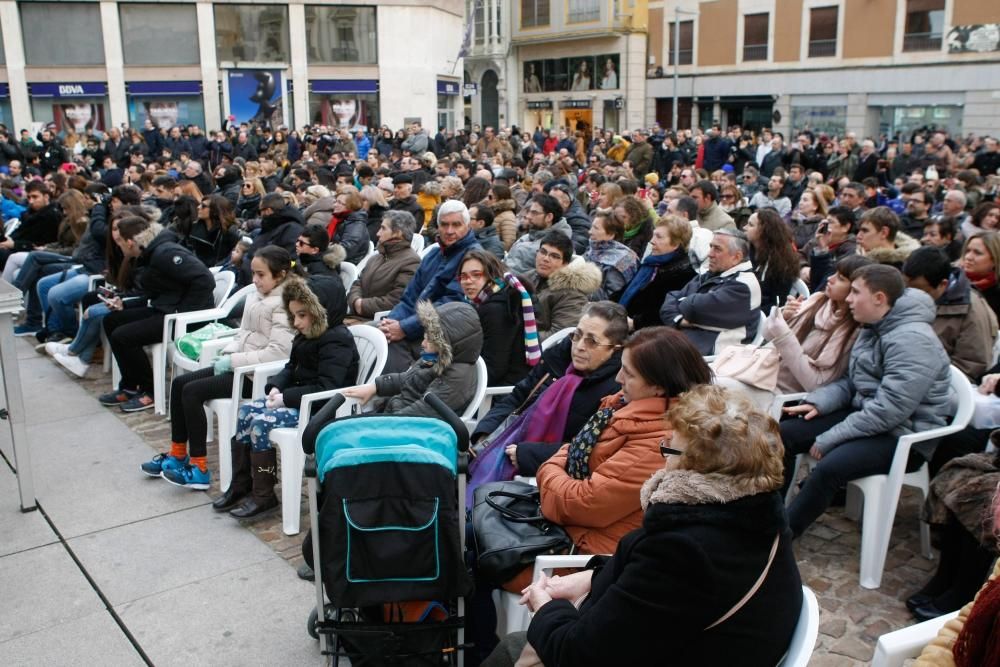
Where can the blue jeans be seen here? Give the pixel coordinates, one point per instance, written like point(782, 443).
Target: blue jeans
point(255, 420)
point(89, 333)
point(60, 292)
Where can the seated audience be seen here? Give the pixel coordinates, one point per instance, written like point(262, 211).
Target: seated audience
point(834, 240)
point(721, 306)
point(714, 507)
point(898, 382)
point(617, 261)
point(666, 268)
point(710, 215)
point(880, 240)
point(215, 232)
point(543, 214)
point(772, 253)
point(351, 232)
point(385, 276)
point(965, 323)
point(316, 255)
point(562, 286)
point(510, 339)
point(981, 263)
point(940, 232)
point(636, 219)
point(481, 221)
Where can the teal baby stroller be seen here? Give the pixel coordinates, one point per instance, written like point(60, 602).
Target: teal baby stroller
point(388, 535)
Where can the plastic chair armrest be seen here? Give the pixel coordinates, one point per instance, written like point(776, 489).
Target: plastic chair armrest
point(894, 647)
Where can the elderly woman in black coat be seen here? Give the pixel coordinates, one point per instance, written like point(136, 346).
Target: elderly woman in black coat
point(714, 528)
point(666, 269)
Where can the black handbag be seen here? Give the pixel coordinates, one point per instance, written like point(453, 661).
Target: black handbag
point(510, 531)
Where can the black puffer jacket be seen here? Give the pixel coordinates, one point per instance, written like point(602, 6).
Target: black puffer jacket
point(281, 229)
point(324, 357)
point(352, 236)
point(170, 275)
point(503, 337)
point(587, 398)
point(704, 542)
point(212, 246)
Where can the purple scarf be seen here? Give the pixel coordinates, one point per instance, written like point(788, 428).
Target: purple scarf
point(547, 419)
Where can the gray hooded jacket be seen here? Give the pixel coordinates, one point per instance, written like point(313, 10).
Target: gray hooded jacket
point(521, 256)
point(898, 381)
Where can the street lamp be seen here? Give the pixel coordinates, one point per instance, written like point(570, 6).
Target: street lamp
point(677, 53)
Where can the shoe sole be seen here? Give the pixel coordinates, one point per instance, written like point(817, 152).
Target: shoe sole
point(194, 487)
point(24, 334)
point(139, 409)
point(150, 474)
point(109, 405)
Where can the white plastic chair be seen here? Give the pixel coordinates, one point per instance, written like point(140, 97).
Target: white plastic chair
point(348, 274)
point(803, 642)
point(880, 493)
point(799, 288)
point(423, 253)
point(177, 360)
point(757, 341)
point(417, 243)
point(469, 415)
point(373, 351)
point(894, 648)
point(364, 262)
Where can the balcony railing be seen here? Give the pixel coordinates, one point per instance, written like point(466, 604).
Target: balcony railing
point(754, 52)
point(684, 56)
point(822, 48)
point(922, 41)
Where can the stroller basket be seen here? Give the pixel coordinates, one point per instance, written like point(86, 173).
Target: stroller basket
point(383, 644)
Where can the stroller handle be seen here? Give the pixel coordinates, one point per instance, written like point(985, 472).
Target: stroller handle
point(318, 421)
point(453, 420)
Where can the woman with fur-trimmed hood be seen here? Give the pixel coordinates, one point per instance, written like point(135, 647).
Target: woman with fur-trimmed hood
point(323, 357)
point(453, 338)
point(710, 574)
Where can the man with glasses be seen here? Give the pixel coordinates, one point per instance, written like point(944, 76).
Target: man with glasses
point(720, 307)
point(542, 214)
point(773, 198)
point(562, 288)
point(918, 209)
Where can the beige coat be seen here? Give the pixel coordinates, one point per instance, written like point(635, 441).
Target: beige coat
point(264, 334)
point(823, 354)
point(505, 221)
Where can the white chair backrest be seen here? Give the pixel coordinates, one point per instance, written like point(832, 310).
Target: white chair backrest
point(800, 649)
point(554, 339)
point(373, 350)
point(364, 262)
point(348, 274)
point(966, 396)
point(759, 338)
point(224, 281)
point(423, 253)
point(236, 299)
point(477, 398)
point(799, 288)
point(417, 243)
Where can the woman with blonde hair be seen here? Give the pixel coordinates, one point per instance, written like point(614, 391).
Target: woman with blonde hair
point(251, 192)
point(981, 263)
point(608, 196)
point(710, 572)
point(374, 202)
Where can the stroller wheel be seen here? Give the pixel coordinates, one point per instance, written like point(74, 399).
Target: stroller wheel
point(311, 624)
point(330, 612)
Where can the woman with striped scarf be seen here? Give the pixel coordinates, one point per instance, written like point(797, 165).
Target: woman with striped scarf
point(510, 336)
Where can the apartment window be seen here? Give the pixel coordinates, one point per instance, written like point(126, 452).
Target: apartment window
point(251, 33)
point(924, 25)
point(77, 25)
point(686, 43)
point(480, 29)
point(822, 32)
point(755, 37)
point(339, 34)
point(534, 13)
point(582, 11)
point(159, 34)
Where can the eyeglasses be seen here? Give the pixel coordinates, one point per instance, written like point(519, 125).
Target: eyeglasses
point(247, 185)
point(532, 211)
point(551, 255)
point(203, 205)
point(588, 341)
point(666, 451)
point(471, 275)
point(729, 196)
point(299, 242)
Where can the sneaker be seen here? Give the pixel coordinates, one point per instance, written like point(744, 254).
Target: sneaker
point(52, 349)
point(188, 476)
point(42, 335)
point(26, 330)
point(305, 572)
point(112, 398)
point(161, 462)
point(139, 402)
point(78, 367)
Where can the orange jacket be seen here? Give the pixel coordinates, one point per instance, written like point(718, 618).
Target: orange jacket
point(599, 511)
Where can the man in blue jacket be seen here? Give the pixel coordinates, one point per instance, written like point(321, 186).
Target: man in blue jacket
point(436, 280)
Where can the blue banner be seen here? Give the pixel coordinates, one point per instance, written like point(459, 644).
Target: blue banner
point(255, 96)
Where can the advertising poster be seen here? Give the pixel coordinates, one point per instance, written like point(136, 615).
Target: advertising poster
point(78, 117)
point(164, 115)
point(347, 112)
point(573, 74)
point(255, 96)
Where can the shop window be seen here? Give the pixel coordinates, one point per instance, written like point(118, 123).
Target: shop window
point(534, 13)
point(159, 34)
point(337, 34)
point(445, 112)
point(61, 33)
point(831, 120)
point(686, 41)
point(251, 33)
point(924, 25)
point(344, 110)
point(582, 11)
point(823, 32)
point(755, 36)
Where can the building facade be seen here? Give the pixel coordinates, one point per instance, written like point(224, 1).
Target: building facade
point(871, 67)
point(99, 64)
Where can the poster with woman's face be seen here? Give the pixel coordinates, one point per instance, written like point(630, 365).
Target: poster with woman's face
point(344, 112)
point(533, 77)
point(608, 71)
point(581, 73)
point(164, 115)
point(78, 117)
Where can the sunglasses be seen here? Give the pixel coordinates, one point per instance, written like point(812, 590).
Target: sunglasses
point(588, 341)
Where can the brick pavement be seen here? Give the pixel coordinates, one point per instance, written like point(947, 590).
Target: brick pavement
point(851, 617)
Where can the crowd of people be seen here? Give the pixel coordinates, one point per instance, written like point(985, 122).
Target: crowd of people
point(870, 267)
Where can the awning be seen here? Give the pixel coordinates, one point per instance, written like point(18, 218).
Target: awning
point(343, 86)
point(164, 88)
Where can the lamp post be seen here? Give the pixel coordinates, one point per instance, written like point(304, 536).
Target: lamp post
point(677, 54)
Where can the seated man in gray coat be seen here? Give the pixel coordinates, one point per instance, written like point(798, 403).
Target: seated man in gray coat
point(720, 307)
point(543, 214)
point(898, 382)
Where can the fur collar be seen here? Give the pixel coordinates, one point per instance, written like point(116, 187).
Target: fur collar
point(580, 276)
point(503, 205)
point(296, 289)
point(687, 487)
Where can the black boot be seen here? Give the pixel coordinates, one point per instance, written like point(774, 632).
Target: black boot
point(240, 485)
point(263, 469)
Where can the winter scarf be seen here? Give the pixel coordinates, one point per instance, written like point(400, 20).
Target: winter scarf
point(532, 349)
point(615, 254)
point(547, 419)
point(578, 454)
point(645, 275)
point(982, 281)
